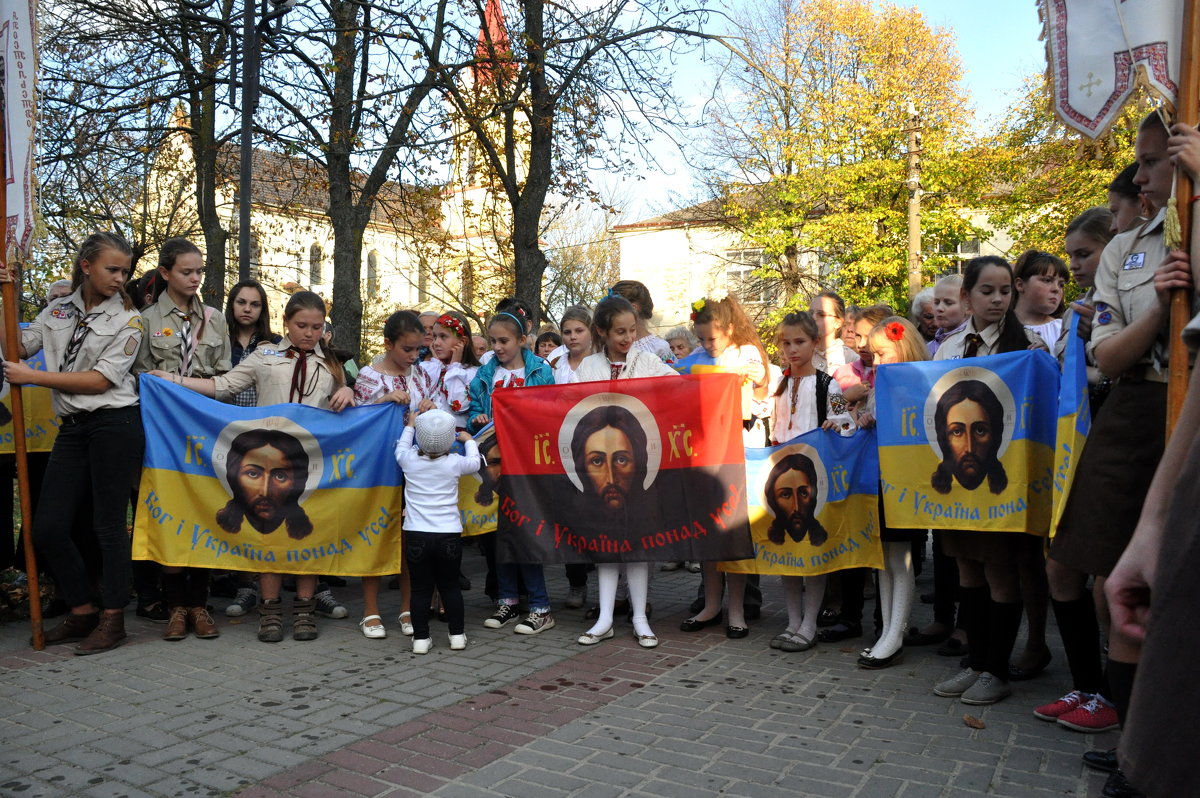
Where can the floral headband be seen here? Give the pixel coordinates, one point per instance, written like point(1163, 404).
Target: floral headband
point(448, 321)
point(697, 307)
point(894, 331)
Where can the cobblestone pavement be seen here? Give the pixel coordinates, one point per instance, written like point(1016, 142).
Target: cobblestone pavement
point(518, 716)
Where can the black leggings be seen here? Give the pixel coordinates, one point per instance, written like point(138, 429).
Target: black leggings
point(434, 559)
point(86, 490)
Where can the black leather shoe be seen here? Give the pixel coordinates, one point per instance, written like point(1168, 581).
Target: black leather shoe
point(1101, 760)
point(1118, 786)
point(872, 664)
point(839, 631)
point(827, 617)
point(953, 647)
point(694, 625)
point(736, 632)
point(1018, 674)
point(916, 637)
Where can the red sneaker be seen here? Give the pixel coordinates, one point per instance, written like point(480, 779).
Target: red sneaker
point(1071, 701)
point(1097, 715)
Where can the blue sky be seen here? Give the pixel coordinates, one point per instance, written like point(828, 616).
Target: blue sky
point(997, 43)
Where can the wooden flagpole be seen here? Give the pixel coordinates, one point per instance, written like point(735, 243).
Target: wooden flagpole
point(12, 346)
point(1187, 110)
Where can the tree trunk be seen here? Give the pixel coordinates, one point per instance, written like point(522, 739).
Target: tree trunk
point(204, 149)
point(349, 221)
point(529, 262)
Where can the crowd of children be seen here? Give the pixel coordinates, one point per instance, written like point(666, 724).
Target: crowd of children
point(96, 344)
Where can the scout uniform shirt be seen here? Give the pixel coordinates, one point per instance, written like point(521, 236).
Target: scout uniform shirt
point(168, 338)
point(1125, 292)
point(281, 375)
point(104, 339)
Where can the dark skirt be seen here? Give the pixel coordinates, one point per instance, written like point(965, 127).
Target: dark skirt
point(1114, 473)
point(1156, 750)
point(993, 548)
point(889, 535)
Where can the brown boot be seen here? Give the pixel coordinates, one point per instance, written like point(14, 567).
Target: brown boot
point(107, 635)
point(177, 624)
point(73, 627)
point(202, 623)
point(270, 621)
point(304, 619)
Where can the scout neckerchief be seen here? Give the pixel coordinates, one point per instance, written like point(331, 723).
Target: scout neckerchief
point(81, 331)
point(300, 389)
point(187, 343)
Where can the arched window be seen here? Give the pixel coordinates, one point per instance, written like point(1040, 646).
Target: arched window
point(373, 268)
point(316, 268)
point(255, 257)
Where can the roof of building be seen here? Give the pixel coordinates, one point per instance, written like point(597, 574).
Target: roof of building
point(709, 212)
point(284, 181)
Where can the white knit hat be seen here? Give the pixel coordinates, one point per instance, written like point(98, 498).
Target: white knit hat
point(435, 432)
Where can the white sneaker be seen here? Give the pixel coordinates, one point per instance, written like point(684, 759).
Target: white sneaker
point(458, 642)
point(372, 632)
point(422, 645)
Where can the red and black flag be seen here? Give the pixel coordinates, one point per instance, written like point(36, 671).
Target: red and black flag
point(623, 471)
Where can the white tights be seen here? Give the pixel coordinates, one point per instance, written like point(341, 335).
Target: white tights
point(803, 596)
point(637, 574)
point(897, 585)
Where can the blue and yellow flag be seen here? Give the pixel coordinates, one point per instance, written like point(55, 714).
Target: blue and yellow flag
point(968, 444)
point(1074, 420)
point(478, 496)
point(278, 489)
point(41, 422)
point(813, 505)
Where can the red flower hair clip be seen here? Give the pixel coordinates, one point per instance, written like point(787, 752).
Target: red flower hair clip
point(451, 323)
point(894, 331)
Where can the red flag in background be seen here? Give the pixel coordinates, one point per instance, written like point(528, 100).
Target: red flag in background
point(626, 470)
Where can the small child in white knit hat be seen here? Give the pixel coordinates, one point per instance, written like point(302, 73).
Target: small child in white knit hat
point(432, 523)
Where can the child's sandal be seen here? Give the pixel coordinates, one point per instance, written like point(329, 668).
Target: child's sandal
point(372, 631)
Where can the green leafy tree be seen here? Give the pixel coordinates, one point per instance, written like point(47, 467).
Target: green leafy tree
point(809, 133)
point(1048, 173)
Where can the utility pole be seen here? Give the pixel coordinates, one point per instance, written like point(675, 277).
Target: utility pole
point(914, 202)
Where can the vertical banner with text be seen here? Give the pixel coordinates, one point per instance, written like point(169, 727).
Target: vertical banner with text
point(1074, 420)
point(41, 422)
point(623, 471)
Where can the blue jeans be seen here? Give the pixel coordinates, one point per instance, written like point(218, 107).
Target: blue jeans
point(535, 583)
point(86, 490)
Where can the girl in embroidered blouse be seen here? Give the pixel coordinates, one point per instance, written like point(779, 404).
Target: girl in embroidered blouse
point(453, 365)
point(297, 371)
point(394, 377)
point(797, 411)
